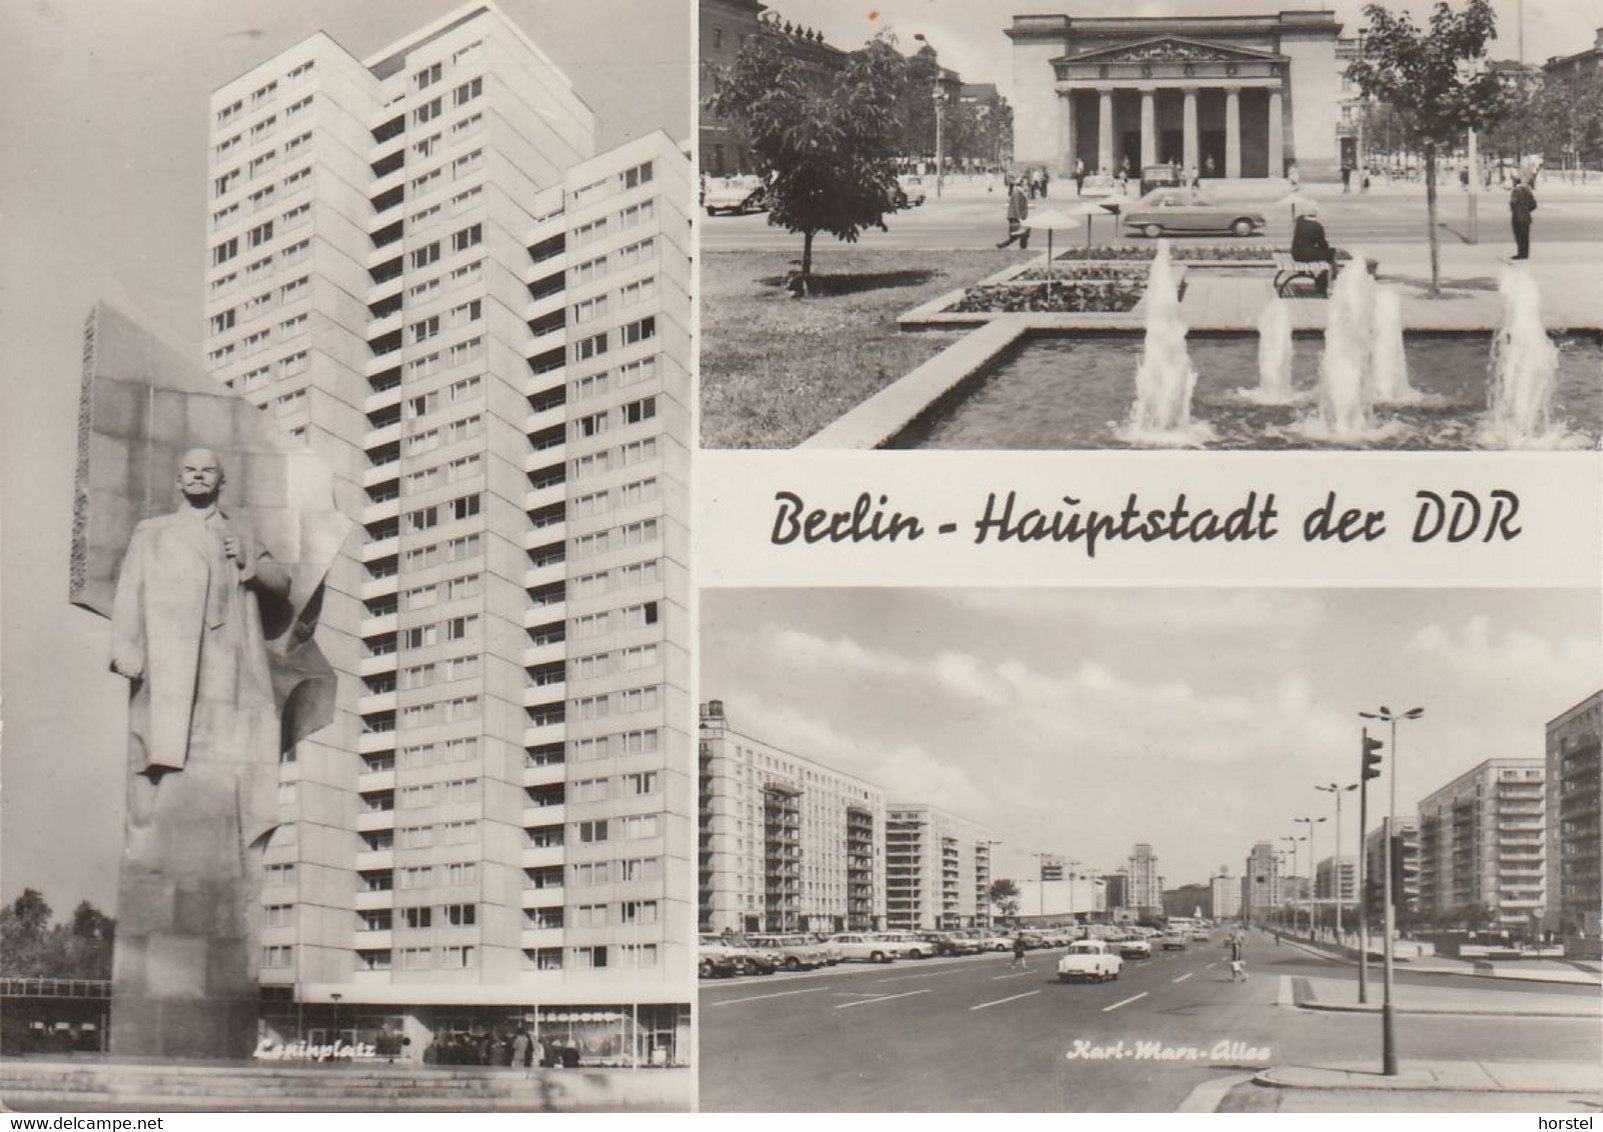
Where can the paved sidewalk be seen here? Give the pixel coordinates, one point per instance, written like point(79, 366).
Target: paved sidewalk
point(1341, 995)
point(1444, 1076)
point(1573, 973)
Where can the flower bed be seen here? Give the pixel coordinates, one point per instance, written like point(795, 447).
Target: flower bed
point(1072, 296)
point(1059, 272)
point(1180, 253)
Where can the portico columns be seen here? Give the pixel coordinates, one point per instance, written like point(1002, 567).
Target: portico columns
point(1066, 132)
point(1233, 131)
point(1104, 131)
point(1277, 140)
point(1192, 157)
point(1149, 128)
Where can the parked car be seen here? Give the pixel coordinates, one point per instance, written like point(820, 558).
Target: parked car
point(1179, 210)
point(865, 947)
point(717, 963)
point(913, 944)
point(796, 953)
point(1099, 185)
point(1172, 941)
point(751, 960)
point(1163, 176)
point(1200, 935)
point(826, 945)
point(737, 195)
point(1089, 960)
point(909, 192)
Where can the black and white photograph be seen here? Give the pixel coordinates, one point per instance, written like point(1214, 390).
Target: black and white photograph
point(1126, 850)
point(333, 783)
point(934, 224)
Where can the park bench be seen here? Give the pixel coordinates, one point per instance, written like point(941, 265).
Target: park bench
point(1289, 270)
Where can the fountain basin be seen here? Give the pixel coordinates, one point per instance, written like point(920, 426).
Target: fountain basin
point(1047, 391)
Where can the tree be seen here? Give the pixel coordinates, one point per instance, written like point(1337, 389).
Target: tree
point(825, 147)
point(1426, 76)
point(32, 947)
point(1004, 894)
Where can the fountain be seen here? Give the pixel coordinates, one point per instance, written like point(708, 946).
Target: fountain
point(1522, 373)
point(1346, 378)
point(1388, 365)
point(1165, 378)
point(1274, 357)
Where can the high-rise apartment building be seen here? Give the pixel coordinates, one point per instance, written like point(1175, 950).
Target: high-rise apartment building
point(420, 264)
point(1225, 893)
point(1574, 824)
point(1406, 869)
point(1482, 843)
point(1143, 887)
point(937, 869)
point(1336, 879)
point(1261, 892)
point(787, 843)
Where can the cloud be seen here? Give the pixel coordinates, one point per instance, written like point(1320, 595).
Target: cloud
point(1172, 610)
point(1475, 650)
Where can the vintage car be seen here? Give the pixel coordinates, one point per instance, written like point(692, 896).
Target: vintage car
point(717, 963)
point(1132, 947)
point(909, 192)
point(1099, 185)
point(737, 195)
point(1172, 941)
point(796, 952)
point(1166, 176)
point(750, 960)
point(868, 948)
point(1089, 960)
point(1184, 211)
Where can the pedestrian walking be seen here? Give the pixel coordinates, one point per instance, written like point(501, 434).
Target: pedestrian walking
point(1018, 210)
point(1193, 179)
point(1346, 177)
point(1079, 177)
point(1236, 948)
point(1018, 950)
point(1294, 175)
point(1521, 203)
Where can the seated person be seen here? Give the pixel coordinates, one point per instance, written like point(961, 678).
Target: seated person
point(1308, 244)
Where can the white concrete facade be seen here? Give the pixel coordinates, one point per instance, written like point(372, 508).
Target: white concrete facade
point(787, 843)
point(420, 264)
point(1482, 840)
point(937, 869)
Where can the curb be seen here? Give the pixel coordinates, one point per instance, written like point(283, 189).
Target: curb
point(1207, 1096)
point(1267, 1079)
point(1374, 1008)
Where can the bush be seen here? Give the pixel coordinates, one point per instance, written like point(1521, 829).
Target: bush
point(1075, 297)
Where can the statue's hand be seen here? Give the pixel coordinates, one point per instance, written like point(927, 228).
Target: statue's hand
point(234, 548)
point(132, 667)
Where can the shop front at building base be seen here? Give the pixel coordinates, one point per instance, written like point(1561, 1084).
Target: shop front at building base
point(636, 1035)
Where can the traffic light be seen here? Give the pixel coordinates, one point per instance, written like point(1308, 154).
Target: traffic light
point(1371, 763)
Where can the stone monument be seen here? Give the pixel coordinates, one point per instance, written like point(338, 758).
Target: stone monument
point(205, 533)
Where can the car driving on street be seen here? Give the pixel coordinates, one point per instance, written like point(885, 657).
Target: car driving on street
point(1181, 211)
point(1089, 960)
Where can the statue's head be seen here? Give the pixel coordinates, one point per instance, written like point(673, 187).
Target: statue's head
point(200, 476)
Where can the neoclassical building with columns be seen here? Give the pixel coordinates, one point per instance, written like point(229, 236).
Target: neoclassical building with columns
point(1242, 96)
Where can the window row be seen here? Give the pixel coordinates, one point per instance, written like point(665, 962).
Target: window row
point(454, 471)
point(600, 664)
point(445, 671)
point(427, 441)
point(450, 629)
point(641, 533)
point(462, 750)
point(455, 589)
point(630, 373)
point(427, 876)
point(642, 742)
point(600, 502)
point(587, 873)
point(624, 456)
point(425, 518)
point(628, 334)
point(450, 550)
point(636, 785)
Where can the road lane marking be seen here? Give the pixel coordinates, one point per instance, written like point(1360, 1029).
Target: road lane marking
point(1014, 975)
point(1124, 1002)
point(928, 975)
point(1215, 963)
point(1000, 1001)
point(776, 994)
point(1183, 977)
point(881, 998)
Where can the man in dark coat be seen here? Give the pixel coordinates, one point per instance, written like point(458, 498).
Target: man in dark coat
point(1521, 203)
point(1308, 244)
point(1018, 209)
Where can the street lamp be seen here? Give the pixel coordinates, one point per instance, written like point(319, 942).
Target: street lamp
point(1313, 870)
point(1388, 1014)
point(1291, 898)
point(1335, 790)
point(939, 96)
point(335, 995)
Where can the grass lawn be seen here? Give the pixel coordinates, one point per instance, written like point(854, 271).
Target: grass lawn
point(776, 369)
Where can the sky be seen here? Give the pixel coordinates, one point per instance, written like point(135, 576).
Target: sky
point(1082, 721)
point(968, 33)
point(103, 122)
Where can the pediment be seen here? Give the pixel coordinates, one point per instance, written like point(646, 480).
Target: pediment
point(1171, 49)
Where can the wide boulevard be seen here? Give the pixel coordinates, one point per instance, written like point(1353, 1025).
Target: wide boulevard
point(974, 1034)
